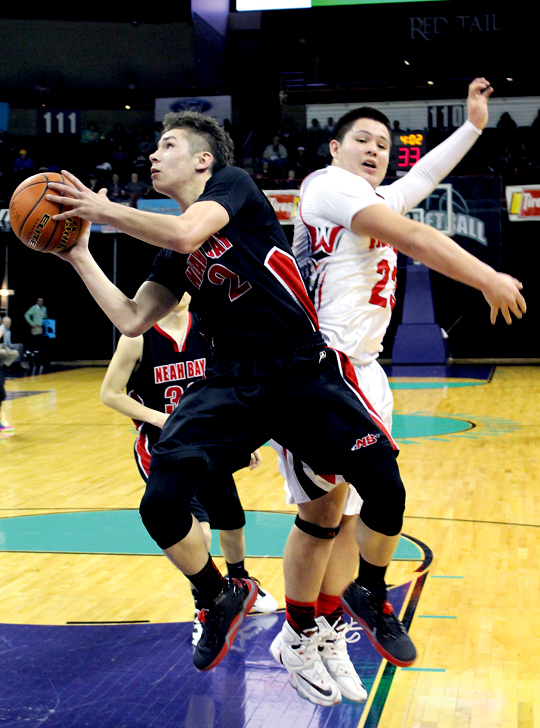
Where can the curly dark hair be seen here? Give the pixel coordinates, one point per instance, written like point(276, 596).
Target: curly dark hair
point(364, 112)
point(205, 134)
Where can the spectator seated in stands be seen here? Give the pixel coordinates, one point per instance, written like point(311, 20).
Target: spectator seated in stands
point(15, 352)
point(136, 188)
point(276, 156)
point(116, 191)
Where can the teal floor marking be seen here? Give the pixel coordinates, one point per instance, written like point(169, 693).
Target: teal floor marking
point(406, 426)
point(121, 532)
point(434, 616)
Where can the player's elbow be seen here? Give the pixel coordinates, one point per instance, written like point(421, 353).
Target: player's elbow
point(132, 329)
point(184, 243)
point(106, 397)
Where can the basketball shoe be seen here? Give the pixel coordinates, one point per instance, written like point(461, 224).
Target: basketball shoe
point(264, 602)
point(299, 654)
point(384, 630)
point(220, 618)
point(6, 428)
point(333, 651)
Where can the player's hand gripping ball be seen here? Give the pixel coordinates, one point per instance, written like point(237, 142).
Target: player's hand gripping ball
point(31, 215)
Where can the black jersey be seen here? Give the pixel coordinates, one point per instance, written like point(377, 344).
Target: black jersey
point(167, 368)
point(244, 281)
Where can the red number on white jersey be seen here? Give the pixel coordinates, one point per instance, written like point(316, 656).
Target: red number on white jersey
point(383, 269)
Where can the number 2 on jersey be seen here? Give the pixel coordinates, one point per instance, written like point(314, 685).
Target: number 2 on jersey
point(383, 269)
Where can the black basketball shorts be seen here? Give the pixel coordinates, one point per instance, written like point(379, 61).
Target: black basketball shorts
point(305, 398)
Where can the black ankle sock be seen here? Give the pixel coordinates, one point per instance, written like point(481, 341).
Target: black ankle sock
point(208, 581)
point(371, 577)
point(237, 571)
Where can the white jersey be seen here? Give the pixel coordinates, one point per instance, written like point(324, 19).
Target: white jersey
point(351, 278)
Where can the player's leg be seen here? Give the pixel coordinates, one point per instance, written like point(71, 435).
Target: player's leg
point(198, 512)
point(355, 442)
point(192, 448)
point(165, 514)
point(224, 511)
point(326, 609)
point(378, 533)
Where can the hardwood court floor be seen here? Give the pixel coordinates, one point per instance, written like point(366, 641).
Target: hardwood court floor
point(473, 499)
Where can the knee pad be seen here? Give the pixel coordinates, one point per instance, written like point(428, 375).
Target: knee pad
point(164, 507)
point(380, 486)
point(312, 529)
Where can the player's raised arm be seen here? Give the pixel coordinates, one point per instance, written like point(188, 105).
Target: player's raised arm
point(442, 254)
point(477, 102)
point(131, 316)
point(183, 233)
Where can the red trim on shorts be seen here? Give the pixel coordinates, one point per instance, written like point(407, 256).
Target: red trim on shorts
point(143, 453)
point(350, 377)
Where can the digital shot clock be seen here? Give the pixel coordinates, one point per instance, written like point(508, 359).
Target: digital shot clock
point(407, 149)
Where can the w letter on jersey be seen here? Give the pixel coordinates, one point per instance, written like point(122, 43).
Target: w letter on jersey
point(323, 239)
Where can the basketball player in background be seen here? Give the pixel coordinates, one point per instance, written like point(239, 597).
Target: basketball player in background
point(351, 277)
point(272, 376)
point(145, 380)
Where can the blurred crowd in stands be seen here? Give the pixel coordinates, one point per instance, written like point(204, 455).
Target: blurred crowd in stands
point(119, 159)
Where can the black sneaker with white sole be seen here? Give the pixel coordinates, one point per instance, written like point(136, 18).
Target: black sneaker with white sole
point(220, 618)
point(384, 630)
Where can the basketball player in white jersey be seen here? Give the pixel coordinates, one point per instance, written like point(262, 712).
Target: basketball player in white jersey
point(344, 215)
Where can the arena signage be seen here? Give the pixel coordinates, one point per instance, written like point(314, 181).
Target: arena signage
point(523, 202)
point(285, 204)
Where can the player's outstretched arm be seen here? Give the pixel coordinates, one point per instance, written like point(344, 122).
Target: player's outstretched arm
point(132, 316)
point(441, 253)
point(113, 389)
point(184, 233)
point(437, 164)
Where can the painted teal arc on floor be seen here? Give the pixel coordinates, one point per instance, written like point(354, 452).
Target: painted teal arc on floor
point(406, 426)
point(121, 532)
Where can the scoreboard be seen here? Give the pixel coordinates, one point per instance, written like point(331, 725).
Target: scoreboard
point(407, 149)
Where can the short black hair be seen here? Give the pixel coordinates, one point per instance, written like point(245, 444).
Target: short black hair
point(211, 136)
point(346, 122)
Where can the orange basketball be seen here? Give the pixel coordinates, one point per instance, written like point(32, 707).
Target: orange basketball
point(31, 215)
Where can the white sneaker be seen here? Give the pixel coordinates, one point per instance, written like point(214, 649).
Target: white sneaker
point(334, 655)
point(265, 602)
point(197, 629)
point(299, 654)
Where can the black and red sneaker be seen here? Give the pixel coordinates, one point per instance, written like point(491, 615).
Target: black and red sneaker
point(384, 630)
point(220, 618)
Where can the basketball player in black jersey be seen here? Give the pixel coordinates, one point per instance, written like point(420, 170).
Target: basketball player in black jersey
point(273, 376)
point(144, 381)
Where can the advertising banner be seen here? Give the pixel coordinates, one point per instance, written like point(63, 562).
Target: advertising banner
point(523, 202)
point(285, 203)
point(220, 107)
